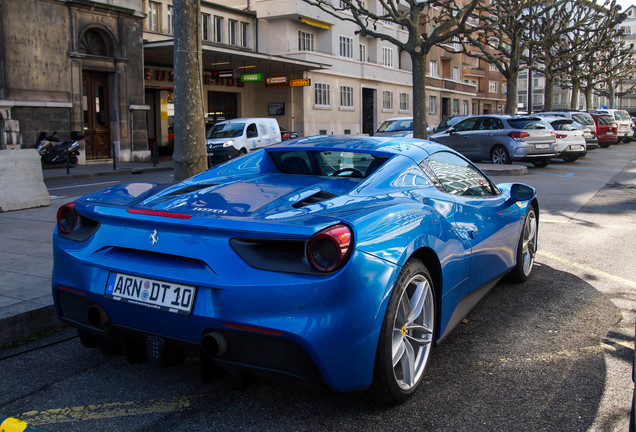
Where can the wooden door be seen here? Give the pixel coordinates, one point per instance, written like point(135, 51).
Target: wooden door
point(95, 111)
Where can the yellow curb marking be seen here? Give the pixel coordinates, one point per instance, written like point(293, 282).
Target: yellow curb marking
point(107, 410)
point(591, 270)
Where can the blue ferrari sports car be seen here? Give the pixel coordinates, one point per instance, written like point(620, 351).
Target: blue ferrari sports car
point(334, 261)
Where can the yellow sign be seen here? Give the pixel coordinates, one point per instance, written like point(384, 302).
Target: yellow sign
point(300, 82)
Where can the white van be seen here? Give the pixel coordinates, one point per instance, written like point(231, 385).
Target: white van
point(624, 121)
point(232, 138)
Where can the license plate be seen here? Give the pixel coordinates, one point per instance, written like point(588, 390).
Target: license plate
point(155, 294)
point(542, 146)
point(576, 147)
point(610, 133)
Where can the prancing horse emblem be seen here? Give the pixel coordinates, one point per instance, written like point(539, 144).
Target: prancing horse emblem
point(154, 238)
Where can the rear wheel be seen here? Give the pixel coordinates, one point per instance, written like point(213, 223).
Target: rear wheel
point(540, 163)
point(72, 160)
point(499, 155)
point(527, 247)
point(570, 157)
point(406, 337)
point(604, 145)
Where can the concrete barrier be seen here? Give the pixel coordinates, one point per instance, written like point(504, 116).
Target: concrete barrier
point(21, 182)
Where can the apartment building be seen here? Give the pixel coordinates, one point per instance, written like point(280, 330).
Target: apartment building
point(369, 80)
point(626, 90)
point(73, 66)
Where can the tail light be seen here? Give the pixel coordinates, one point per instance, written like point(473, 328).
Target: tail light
point(329, 249)
point(561, 136)
point(67, 218)
point(519, 136)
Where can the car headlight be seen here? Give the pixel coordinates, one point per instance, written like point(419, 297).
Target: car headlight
point(229, 143)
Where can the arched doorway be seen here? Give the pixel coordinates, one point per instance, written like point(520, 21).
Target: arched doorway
point(95, 98)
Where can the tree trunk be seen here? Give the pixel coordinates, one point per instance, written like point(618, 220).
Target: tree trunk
point(576, 87)
point(418, 59)
point(548, 92)
point(190, 155)
point(512, 90)
point(588, 98)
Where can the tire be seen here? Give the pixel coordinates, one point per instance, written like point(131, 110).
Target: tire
point(540, 163)
point(499, 155)
point(570, 158)
point(243, 151)
point(604, 145)
point(409, 339)
point(72, 160)
point(527, 247)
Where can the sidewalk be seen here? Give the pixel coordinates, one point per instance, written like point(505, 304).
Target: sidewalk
point(26, 258)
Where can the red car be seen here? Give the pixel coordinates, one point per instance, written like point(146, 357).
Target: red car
point(606, 129)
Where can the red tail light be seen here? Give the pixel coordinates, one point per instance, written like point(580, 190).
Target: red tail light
point(561, 136)
point(329, 249)
point(67, 218)
point(519, 136)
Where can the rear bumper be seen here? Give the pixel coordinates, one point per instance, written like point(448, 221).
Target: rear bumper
point(321, 330)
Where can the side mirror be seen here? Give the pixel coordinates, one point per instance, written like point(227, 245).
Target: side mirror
point(521, 192)
point(450, 130)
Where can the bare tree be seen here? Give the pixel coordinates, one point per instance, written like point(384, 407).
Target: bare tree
point(508, 41)
point(189, 138)
point(564, 31)
point(428, 23)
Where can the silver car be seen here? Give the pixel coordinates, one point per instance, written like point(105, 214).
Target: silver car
point(501, 139)
point(582, 121)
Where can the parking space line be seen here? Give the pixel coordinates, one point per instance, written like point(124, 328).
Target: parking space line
point(107, 410)
point(551, 174)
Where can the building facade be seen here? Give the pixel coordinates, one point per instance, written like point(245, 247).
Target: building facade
point(626, 89)
point(73, 66)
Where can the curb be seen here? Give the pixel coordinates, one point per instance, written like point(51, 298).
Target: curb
point(125, 171)
point(10, 424)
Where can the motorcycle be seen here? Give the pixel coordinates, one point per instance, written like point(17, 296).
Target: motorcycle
point(51, 153)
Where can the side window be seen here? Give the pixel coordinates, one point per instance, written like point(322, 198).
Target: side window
point(468, 124)
point(458, 176)
point(251, 131)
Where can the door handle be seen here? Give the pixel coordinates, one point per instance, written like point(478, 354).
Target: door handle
point(473, 234)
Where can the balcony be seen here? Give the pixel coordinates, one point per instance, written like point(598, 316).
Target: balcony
point(472, 71)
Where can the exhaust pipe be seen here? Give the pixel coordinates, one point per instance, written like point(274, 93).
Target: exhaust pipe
point(97, 316)
point(213, 344)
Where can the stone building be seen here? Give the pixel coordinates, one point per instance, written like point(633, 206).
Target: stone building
point(74, 65)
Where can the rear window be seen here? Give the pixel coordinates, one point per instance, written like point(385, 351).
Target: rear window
point(396, 125)
point(526, 123)
point(606, 120)
point(563, 126)
point(584, 119)
point(621, 115)
point(327, 163)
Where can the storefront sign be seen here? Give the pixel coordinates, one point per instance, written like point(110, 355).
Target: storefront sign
point(300, 82)
point(251, 77)
point(229, 73)
point(277, 80)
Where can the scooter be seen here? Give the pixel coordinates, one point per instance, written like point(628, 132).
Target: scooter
point(52, 154)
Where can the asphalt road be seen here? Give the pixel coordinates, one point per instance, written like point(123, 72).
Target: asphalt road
point(553, 354)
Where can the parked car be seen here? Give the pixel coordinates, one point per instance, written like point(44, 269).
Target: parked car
point(606, 129)
point(625, 132)
point(501, 139)
point(287, 135)
point(448, 122)
point(398, 127)
point(634, 125)
point(582, 120)
point(570, 142)
point(232, 138)
point(279, 262)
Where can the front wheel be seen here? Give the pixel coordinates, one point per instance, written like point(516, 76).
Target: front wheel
point(526, 248)
point(499, 155)
point(406, 337)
